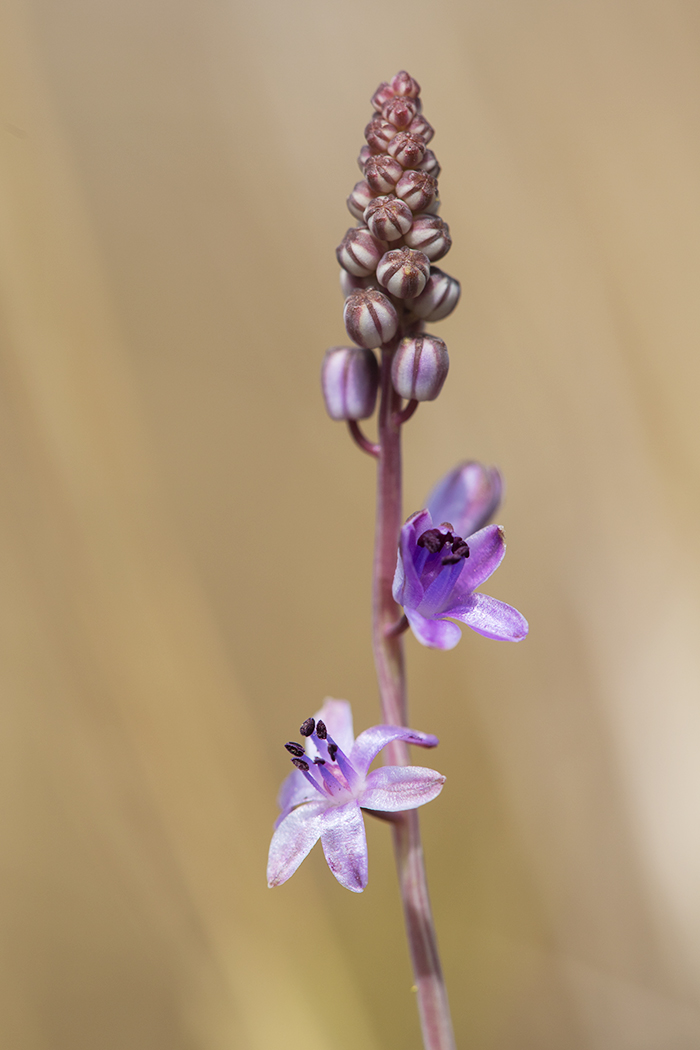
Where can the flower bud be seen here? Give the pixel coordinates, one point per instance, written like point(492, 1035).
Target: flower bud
point(359, 252)
point(429, 163)
point(434, 207)
point(419, 368)
point(350, 284)
point(379, 134)
point(429, 235)
point(419, 126)
point(388, 218)
point(468, 497)
point(382, 95)
point(400, 112)
point(359, 199)
point(365, 155)
point(439, 298)
point(382, 173)
point(370, 318)
point(403, 272)
point(349, 380)
point(417, 188)
point(407, 148)
point(404, 85)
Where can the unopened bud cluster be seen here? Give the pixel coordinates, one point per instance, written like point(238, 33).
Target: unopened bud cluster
point(387, 260)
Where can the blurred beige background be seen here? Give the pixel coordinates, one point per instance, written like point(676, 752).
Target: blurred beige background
point(185, 537)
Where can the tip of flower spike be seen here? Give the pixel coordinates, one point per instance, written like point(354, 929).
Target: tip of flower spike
point(308, 727)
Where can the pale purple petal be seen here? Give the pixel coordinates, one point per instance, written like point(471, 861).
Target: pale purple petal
point(345, 845)
point(295, 790)
point(370, 743)
point(491, 618)
point(440, 592)
point(487, 549)
point(436, 634)
point(395, 788)
point(467, 497)
point(293, 840)
point(337, 716)
point(408, 589)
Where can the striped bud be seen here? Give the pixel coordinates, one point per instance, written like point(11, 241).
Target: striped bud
point(350, 284)
point(404, 85)
point(359, 199)
point(403, 272)
point(370, 318)
point(417, 188)
point(359, 252)
point(439, 298)
point(388, 218)
point(349, 380)
point(379, 134)
point(400, 112)
point(420, 367)
point(419, 126)
point(365, 155)
point(382, 173)
point(429, 163)
point(434, 207)
point(407, 148)
point(382, 95)
point(429, 235)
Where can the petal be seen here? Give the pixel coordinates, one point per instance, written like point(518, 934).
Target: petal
point(440, 593)
point(436, 634)
point(297, 834)
point(408, 589)
point(491, 618)
point(345, 846)
point(467, 497)
point(487, 549)
point(337, 715)
point(394, 788)
point(373, 740)
point(295, 790)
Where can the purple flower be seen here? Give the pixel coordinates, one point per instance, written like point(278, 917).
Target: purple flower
point(322, 798)
point(438, 571)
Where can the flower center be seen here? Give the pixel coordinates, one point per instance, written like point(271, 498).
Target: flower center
point(325, 765)
point(436, 540)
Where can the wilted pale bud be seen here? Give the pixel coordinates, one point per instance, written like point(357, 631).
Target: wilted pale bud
point(350, 284)
point(407, 148)
point(359, 252)
point(404, 85)
point(429, 235)
point(370, 318)
point(359, 199)
point(420, 367)
point(419, 126)
point(382, 173)
point(439, 298)
point(382, 95)
point(429, 163)
point(388, 218)
point(379, 133)
point(400, 112)
point(349, 380)
point(403, 272)
point(417, 188)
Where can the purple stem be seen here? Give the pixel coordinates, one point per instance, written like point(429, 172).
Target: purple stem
point(433, 1007)
point(359, 438)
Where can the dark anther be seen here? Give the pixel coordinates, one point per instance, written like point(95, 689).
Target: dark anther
point(308, 727)
point(332, 751)
point(319, 761)
point(295, 749)
point(301, 764)
point(321, 731)
point(461, 548)
point(451, 559)
point(433, 539)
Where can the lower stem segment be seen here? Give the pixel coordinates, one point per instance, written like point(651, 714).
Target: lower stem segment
point(433, 1007)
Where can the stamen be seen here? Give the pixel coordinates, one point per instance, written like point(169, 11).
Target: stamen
point(319, 761)
point(308, 727)
point(451, 559)
point(301, 764)
point(321, 731)
point(295, 749)
point(433, 539)
point(461, 548)
point(332, 751)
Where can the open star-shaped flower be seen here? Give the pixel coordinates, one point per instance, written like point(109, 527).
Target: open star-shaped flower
point(438, 570)
point(323, 797)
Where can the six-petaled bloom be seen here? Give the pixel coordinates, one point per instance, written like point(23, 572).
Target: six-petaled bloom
point(438, 569)
point(323, 796)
